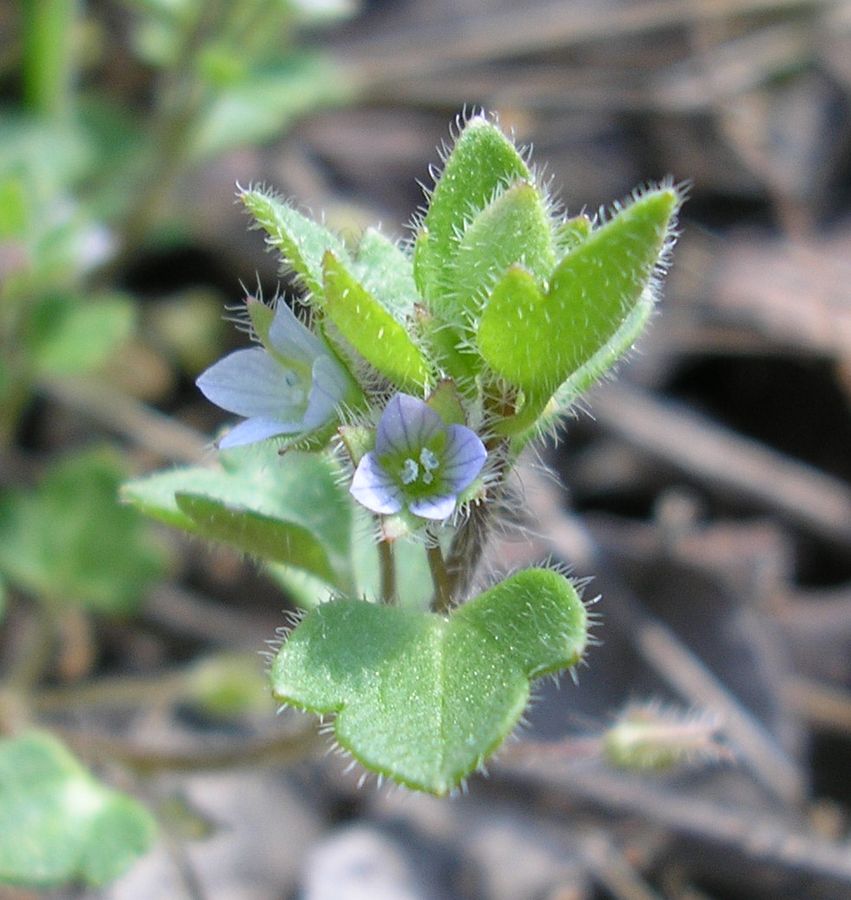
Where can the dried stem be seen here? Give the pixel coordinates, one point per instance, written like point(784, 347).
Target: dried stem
point(278, 749)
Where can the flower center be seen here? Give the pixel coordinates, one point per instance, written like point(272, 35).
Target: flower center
point(419, 471)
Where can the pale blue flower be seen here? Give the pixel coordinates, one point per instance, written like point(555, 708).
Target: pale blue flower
point(419, 462)
point(291, 385)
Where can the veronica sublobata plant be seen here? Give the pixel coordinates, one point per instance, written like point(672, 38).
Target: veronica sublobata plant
point(403, 390)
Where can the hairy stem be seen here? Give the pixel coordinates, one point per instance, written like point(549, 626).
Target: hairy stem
point(442, 602)
point(388, 573)
point(469, 542)
point(466, 549)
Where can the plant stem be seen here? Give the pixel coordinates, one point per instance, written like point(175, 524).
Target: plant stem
point(388, 573)
point(467, 548)
point(442, 602)
point(469, 541)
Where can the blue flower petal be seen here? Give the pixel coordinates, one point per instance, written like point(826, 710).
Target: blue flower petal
point(293, 340)
point(406, 425)
point(251, 383)
point(257, 429)
point(434, 507)
point(374, 488)
point(328, 389)
point(463, 458)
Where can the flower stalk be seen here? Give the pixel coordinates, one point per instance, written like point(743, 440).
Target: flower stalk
point(389, 594)
point(442, 602)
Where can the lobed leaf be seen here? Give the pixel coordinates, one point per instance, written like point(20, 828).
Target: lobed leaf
point(424, 698)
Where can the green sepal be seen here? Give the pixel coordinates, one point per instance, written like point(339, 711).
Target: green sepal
point(422, 698)
point(368, 327)
point(474, 492)
point(261, 317)
point(358, 441)
point(446, 402)
point(482, 161)
point(536, 340)
point(512, 228)
point(288, 510)
point(58, 824)
point(301, 241)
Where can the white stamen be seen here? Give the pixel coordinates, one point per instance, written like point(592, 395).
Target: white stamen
point(410, 471)
point(429, 461)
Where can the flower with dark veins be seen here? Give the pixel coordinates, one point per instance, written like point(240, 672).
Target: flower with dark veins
point(419, 462)
point(290, 385)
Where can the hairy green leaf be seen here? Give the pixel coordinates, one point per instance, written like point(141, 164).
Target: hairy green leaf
point(537, 340)
point(286, 509)
point(376, 335)
point(386, 271)
point(257, 534)
point(513, 228)
point(301, 241)
point(482, 161)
